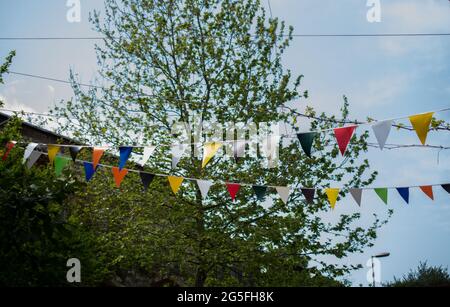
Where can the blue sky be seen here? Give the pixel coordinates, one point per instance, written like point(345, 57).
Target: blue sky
point(383, 78)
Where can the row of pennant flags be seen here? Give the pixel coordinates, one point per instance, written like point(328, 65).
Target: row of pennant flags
point(31, 155)
point(343, 135)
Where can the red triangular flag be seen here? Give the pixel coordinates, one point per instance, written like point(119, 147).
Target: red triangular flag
point(97, 153)
point(9, 147)
point(233, 188)
point(119, 175)
point(343, 136)
point(428, 190)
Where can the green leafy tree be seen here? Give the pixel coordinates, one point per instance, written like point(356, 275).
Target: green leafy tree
point(163, 61)
point(423, 276)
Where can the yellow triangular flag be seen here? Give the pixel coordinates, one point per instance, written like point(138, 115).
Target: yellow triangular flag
point(52, 151)
point(175, 183)
point(332, 196)
point(421, 123)
point(209, 150)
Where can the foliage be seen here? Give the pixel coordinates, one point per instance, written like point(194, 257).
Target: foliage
point(423, 276)
point(222, 62)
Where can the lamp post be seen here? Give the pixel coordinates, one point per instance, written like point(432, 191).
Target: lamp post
point(381, 255)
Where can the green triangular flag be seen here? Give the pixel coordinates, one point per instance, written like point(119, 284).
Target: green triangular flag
point(383, 194)
point(60, 163)
point(260, 192)
point(306, 140)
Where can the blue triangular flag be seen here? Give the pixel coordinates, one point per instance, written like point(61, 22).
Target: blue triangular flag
point(89, 170)
point(125, 152)
point(404, 193)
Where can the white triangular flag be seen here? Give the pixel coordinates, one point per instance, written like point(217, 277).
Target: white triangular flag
point(177, 153)
point(148, 151)
point(30, 148)
point(204, 186)
point(381, 131)
point(34, 156)
point(357, 195)
point(284, 193)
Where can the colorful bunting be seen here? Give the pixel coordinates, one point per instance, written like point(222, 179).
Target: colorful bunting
point(125, 152)
point(404, 193)
point(74, 151)
point(343, 136)
point(260, 191)
point(89, 170)
point(428, 190)
point(28, 151)
point(381, 131)
point(146, 179)
point(52, 151)
point(97, 153)
point(233, 188)
point(60, 163)
point(306, 141)
point(175, 183)
point(421, 123)
point(357, 195)
point(284, 193)
point(9, 147)
point(446, 187)
point(209, 150)
point(119, 175)
point(35, 155)
point(309, 194)
point(382, 193)
point(204, 186)
point(148, 151)
point(332, 194)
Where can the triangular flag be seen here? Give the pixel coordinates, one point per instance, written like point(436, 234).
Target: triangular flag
point(357, 195)
point(383, 194)
point(260, 191)
point(146, 179)
point(306, 141)
point(421, 123)
point(33, 158)
point(204, 186)
point(119, 175)
point(175, 183)
point(428, 190)
point(74, 150)
point(60, 163)
point(148, 151)
point(97, 153)
point(381, 131)
point(89, 170)
point(28, 150)
point(52, 151)
point(404, 193)
point(125, 152)
point(446, 187)
point(332, 194)
point(309, 194)
point(284, 193)
point(177, 153)
point(9, 147)
point(209, 150)
point(343, 136)
point(233, 188)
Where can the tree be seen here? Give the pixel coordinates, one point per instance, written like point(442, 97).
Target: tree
point(220, 60)
point(423, 276)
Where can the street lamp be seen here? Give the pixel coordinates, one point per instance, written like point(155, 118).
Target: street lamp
point(381, 255)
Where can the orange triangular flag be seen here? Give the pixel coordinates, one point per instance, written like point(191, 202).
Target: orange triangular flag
point(421, 123)
point(428, 190)
point(119, 175)
point(175, 183)
point(97, 153)
point(52, 150)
